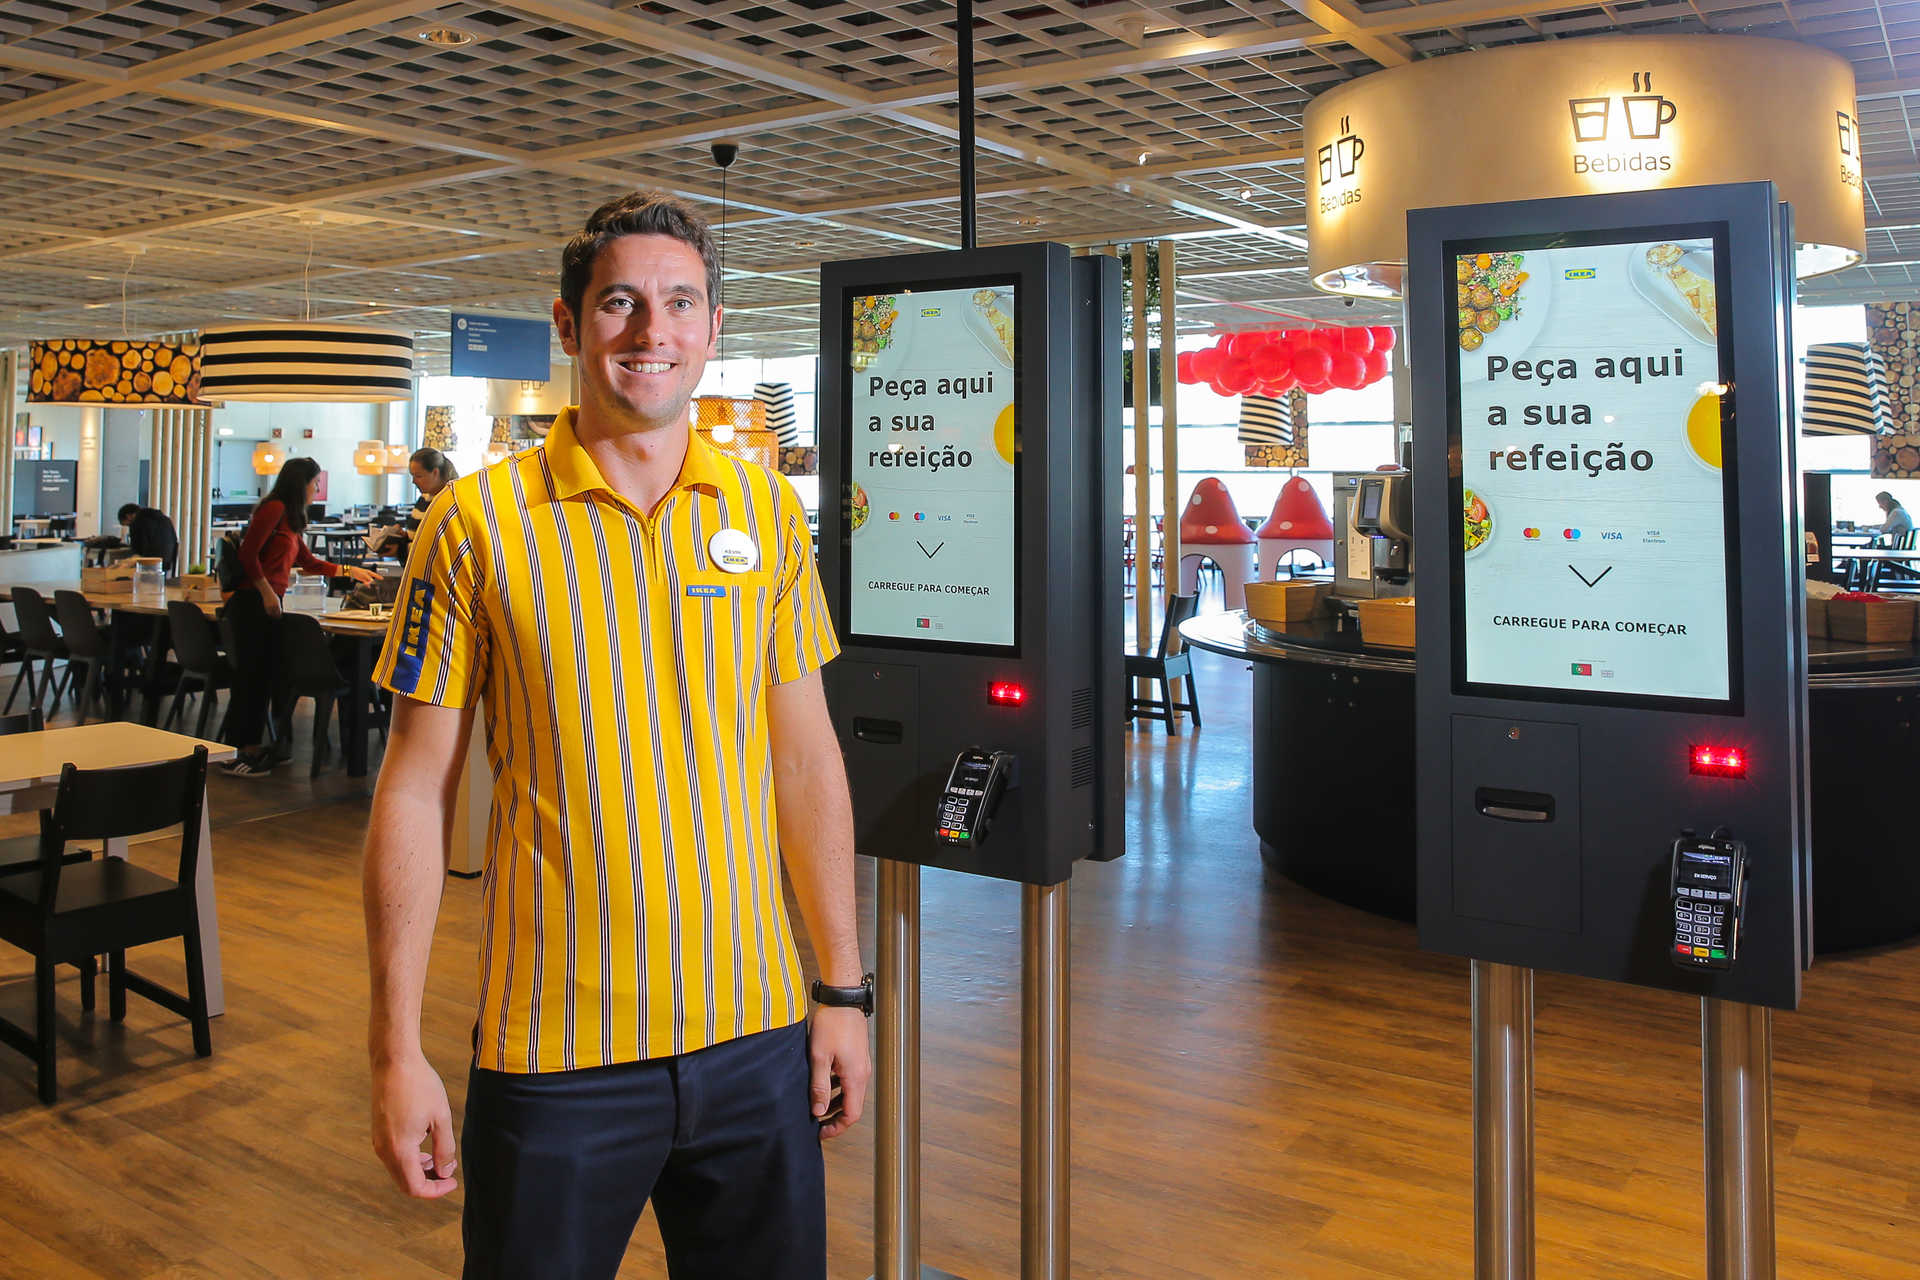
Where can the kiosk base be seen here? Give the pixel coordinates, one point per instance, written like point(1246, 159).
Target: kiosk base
point(928, 1273)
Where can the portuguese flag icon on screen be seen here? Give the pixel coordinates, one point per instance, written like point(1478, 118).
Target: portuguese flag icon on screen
point(1583, 668)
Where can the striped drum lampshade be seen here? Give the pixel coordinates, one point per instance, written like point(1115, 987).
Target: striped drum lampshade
point(1265, 420)
point(306, 363)
point(1845, 392)
point(781, 419)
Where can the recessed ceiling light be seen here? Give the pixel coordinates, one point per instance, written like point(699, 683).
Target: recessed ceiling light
point(806, 244)
point(1143, 157)
point(1246, 193)
point(1030, 221)
point(445, 37)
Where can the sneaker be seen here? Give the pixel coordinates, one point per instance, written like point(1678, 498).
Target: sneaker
point(249, 764)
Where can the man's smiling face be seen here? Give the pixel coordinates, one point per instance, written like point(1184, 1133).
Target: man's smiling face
point(645, 331)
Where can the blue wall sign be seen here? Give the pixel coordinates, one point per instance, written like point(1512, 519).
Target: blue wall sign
point(500, 347)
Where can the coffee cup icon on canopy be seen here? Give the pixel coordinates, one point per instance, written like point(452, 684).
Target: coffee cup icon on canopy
point(1648, 114)
point(1342, 153)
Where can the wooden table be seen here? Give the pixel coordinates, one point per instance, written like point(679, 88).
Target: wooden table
point(30, 765)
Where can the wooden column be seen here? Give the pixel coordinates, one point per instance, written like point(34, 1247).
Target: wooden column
point(1142, 466)
point(197, 535)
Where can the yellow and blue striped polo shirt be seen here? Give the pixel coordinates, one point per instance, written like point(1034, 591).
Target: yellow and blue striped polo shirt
point(631, 896)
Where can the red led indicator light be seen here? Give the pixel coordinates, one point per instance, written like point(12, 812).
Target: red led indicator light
point(1005, 693)
point(1718, 762)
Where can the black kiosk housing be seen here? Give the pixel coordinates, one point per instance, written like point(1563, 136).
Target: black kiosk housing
point(1587, 781)
point(979, 612)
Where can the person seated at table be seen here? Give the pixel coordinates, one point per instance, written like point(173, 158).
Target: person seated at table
point(1898, 523)
point(270, 551)
point(150, 533)
point(432, 471)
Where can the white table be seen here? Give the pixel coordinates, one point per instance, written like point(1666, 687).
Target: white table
point(30, 765)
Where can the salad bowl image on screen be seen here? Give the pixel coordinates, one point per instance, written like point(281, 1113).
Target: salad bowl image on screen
point(1598, 428)
point(933, 463)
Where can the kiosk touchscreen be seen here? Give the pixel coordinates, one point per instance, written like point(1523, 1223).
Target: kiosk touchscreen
point(1611, 681)
point(966, 481)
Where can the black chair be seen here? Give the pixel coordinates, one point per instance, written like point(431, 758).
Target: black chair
point(87, 649)
point(68, 914)
point(17, 852)
point(41, 643)
point(196, 647)
point(1166, 668)
point(11, 650)
point(311, 672)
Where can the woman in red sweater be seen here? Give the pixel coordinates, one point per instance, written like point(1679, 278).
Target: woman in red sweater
point(271, 549)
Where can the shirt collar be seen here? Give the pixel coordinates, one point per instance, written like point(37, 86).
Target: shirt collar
point(575, 472)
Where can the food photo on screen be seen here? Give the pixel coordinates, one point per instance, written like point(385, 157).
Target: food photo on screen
point(1594, 504)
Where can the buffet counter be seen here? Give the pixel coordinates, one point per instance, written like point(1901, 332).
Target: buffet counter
point(1333, 771)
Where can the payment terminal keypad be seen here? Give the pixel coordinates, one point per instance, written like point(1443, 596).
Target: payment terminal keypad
point(1709, 890)
point(972, 791)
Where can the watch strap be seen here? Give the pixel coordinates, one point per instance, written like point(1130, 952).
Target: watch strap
point(860, 997)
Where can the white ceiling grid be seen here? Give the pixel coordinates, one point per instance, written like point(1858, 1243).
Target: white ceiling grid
point(270, 158)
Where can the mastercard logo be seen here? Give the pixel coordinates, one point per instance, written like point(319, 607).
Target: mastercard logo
point(1530, 534)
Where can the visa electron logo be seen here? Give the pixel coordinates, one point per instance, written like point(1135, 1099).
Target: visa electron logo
point(919, 515)
point(1571, 535)
point(1580, 273)
point(1530, 535)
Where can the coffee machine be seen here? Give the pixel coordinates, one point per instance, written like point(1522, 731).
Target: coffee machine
point(1373, 534)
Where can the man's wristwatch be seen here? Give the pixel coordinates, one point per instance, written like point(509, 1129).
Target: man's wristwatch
point(860, 997)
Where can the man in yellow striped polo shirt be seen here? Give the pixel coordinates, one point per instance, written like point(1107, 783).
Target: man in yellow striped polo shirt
point(639, 619)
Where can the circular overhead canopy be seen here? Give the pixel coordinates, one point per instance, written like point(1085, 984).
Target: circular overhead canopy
point(307, 363)
point(1579, 117)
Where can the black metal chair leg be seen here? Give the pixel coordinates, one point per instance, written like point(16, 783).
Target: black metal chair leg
point(59, 683)
point(44, 1038)
point(26, 665)
point(179, 692)
point(117, 985)
point(89, 970)
point(1166, 691)
point(206, 711)
point(89, 691)
point(1193, 698)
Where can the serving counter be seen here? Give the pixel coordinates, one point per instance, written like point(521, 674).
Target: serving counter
point(1333, 771)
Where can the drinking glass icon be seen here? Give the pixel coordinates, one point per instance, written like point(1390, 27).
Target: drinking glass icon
point(1349, 149)
point(1589, 118)
point(1325, 155)
point(1648, 114)
point(1846, 133)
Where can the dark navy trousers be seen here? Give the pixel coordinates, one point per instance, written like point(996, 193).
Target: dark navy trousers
point(559, 1166)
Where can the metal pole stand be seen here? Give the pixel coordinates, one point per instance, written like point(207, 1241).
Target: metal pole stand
point(1502, 1121)
point(1045, 1122)
point(1736, 1068)
point(896, 1141)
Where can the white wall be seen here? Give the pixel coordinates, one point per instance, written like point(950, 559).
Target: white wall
point(336, 429)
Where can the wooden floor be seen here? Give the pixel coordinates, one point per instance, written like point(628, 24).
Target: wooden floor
point(1264, 1083)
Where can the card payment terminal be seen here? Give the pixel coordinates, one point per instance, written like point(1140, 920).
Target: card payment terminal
point(1709, 883)
point(971, 795)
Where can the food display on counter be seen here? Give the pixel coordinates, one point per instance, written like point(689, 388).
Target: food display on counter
point(1867, 617)
point(1488, 293)
point(1695, 290)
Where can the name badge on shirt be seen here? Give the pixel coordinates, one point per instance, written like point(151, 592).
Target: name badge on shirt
point(706, 589)
point(732, 551)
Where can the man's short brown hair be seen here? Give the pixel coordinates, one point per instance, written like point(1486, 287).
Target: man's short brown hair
point(639, 213)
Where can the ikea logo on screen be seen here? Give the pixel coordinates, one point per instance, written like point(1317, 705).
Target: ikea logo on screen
point(928, 313)
point(1580, 273)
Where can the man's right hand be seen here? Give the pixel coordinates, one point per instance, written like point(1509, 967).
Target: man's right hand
point(410, 1107)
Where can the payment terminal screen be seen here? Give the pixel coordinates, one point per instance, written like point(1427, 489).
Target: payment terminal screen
point(933, 465)
point(1593, 541)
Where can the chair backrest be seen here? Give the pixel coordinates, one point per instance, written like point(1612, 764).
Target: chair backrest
point(1179, 609)
point(309, 658)
point(77, 626)
point(36, 623)
point(1905, 541)
point(195, 643)
point(26, 722)
point(112, 804)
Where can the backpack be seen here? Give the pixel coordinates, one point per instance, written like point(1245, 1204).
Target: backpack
point(226, 563)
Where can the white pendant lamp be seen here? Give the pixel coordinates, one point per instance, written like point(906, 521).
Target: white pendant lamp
point(306, 362)
point(268, 458)
point(370, 458)
point(398, 456)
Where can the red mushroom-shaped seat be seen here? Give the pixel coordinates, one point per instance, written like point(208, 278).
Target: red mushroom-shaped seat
point(1298, 523)
point(1211, 529)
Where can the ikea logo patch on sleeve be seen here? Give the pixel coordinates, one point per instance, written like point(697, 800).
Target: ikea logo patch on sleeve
point(414, 630)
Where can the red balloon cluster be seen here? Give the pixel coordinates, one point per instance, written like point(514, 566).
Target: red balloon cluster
point(1275, 361)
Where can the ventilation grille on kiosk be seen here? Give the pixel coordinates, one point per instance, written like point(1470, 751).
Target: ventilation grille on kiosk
point(1082, 708)
point(1083, 766)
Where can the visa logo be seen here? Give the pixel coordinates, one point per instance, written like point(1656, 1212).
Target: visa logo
point(1580, 273)
point(1610, 536)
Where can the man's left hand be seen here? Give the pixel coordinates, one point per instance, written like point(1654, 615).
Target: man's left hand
point(837, 1049)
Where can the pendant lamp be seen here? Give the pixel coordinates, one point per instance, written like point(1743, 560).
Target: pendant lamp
point(398, 456)
point(112, 373)
point(370, 458)
point(1845, 392)
point(268, 458)
point(781, 418)
point(308, 362)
